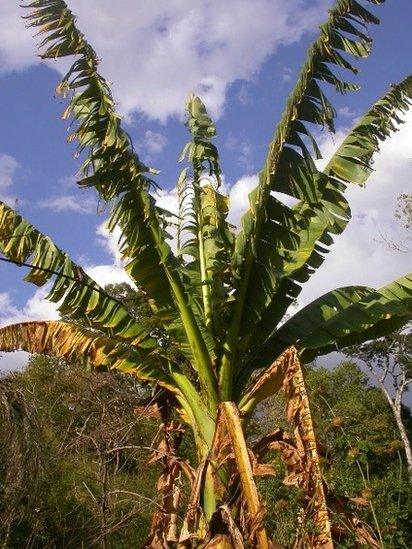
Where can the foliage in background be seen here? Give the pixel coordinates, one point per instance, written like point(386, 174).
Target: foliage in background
point(86, 485)
point(77, 418)
point(404, 210)
point(362, 456)
point(389, 361)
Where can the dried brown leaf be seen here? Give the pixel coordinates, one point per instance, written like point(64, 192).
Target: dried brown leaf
point(308, 474)
point(220, 541)
point(194, 510)
point(360, 501)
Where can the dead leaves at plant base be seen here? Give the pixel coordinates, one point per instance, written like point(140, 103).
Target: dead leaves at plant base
point(233, 538)
point(194, 514)
point(351, 524)
point(230, 454)
point(220, 541)
point(301, 457)
point(164, 525)
point(222, 521)
point(299, 414)
point(299, 453)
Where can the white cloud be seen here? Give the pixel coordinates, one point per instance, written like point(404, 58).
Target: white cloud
point(346, 112)
point(244, 97)
point(158, 52)
point(5, 304)
point(36, 308)
point(169, 201)
point(66, 183)
point(69, 203)
point(8, 167)
point(108, 274)
point(360, 256)
point(244, 151)
point(18, 47)
point(154, 142)
point(81, 201)
point(113, 272)
point(9, 362)
point(238, 196)
point(109, 241)
point(286, 74)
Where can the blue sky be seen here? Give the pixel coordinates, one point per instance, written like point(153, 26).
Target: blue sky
point(242, 57)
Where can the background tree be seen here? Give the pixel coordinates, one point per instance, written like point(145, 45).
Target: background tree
point(362, 458)
point(403, 210)
point(72, 412)
point(403, 214)
point(389, 360)
point(221, 299)
point(21, 462)
point(364, 463)
point(72, 458)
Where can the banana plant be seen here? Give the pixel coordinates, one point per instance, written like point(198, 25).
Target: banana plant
point(222, 297)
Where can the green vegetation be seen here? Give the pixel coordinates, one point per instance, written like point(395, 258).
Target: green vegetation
point(73, 446)
point(71, 427)
point(389, 361)
point(207, 333)
point(362, 458)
